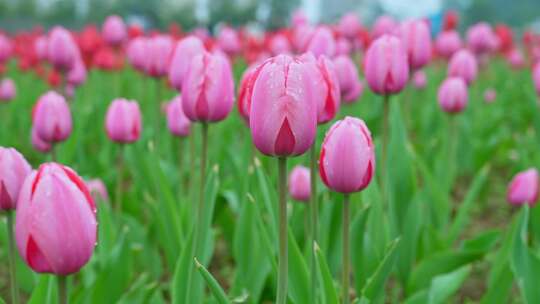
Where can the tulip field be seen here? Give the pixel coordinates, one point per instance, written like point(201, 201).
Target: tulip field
point(335, 163)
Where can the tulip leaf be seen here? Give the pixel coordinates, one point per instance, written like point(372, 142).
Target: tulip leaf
point(445, 285)
point(217, 291)
point(375, 284)
point(329, 293)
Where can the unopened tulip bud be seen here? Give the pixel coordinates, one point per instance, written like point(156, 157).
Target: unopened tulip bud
point(13, 170)
point(453, 95)
point(52, 118)
point(463, 64)
point(123, 121)
point(7, 90)
point(523, 188)
point(299, 184)
point(177, 121)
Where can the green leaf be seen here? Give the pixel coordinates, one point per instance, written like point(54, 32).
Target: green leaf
point(445, 285)
point(139, 292)
point(327, 283)
point(217, 291)
point(299, 287)
point(45, 291)
point(375, 284)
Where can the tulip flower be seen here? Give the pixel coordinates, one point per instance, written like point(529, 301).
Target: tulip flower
point(349, 82)
point(136, 53)
point(5, 48)
point(77, 75)
point(40, 47)
point(177, 121)
point(453, 95)
point(7, 90)
point(523, 188)
point(490, 95)
point(52, 118)
point(349, 25)
point(158, 52)
point(123, 121)
point(419, 79)
point(97, 190)
point(347, 165)
point(245, 90)
point(114, 30)
point(56, 226)
point(463, 64)
point(300, 184)
point(343, 47)
point(416, 38)
point(38, 143)
point(62, 51)
point(228, 41)
point(481, 39)
point(322, 42)
point(182, 56)
point(384, 25)
point(447, 43)
point(279, 44)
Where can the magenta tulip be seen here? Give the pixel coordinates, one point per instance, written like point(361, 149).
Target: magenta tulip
point(228, 40)
point(114, 30)
point(463, 64)
point(279, 44)
point(343, 47)
point(62, 51)
point(136, 53)
point(349, 82)
point(123, 121)
point(208, 88)
point(52, 118)
point(77, 75)
point(246, 89)
point(453, 95)
point(349, 25)
point(177, 121)
point(8, 90)
point(5, 48)
point(523, 188)
point(158, 54)
point(322, 42)
point(283, 114)
point(481, 39)
point(13, 170)
point(416, 38)
point(38, 143)
point(447, 43)
point(56, 227)
point(300, 184)
point(184, 52)
point(386, 67)
point(384, 25)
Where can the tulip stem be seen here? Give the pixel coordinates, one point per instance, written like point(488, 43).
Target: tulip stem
point(157, 118)
point(346, 239)
point(53, 152)
point(62, 289)
point(120, 173)
point(11, 257)
point(191, 164)
point(385, 131)
point(314, 212)
point(282, 272)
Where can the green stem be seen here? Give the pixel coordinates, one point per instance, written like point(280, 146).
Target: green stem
point(181, 181)
point(191, 165)
point(346, 259)
point(158, 112)
point(62, 289)
point(119, 178)
point(314, 212)
point(452, 152)
point(385, 131)
point(53, 152)
point(282, 272)
point(11, 258)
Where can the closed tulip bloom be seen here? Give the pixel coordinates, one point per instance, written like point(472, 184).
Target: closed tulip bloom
point(349, 82)
point(347, 160)
point(463, 64)
point(177, 121)
point(136, 53)
point(386, 67)
point(453, 95)
point(228, 40)
point(322, 42)
point(5, 48)
point(279, 44)
point(184, 52)
point(97, 189)
point(490, 95)
point(343, 47)
point(300, 184)
point(52, 118)
point(384, 25)
point(62, 51)
point(114, 30)
point(40, 47)
point(77, 75)
point(56, 227)
point(523, 188)
point(159, 50)
point(246, 88)
point(416, 38)
point(349, 25)
point(419, 79)
point(481, 39)
point(208, 88)
point(283, 115)
point(7, 90)
point(38, 143)
point(123, 121)
point(302, 36)
point(536, 78)
point(447, 43)
point(13, 170)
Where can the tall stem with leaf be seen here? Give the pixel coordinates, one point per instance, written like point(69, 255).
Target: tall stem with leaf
point(283, 263)
point(314, 219)
point(11, 257)
point(346, 249)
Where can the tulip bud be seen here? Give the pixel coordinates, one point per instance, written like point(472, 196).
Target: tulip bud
point(7, 90)
point(447, 43)
point(114, 30)
point(464, 65)
point(56, 224)
point(523, 188)
point(384, 25)
point(300, 184)
point(283, 115)
point(77, 75)
point(246, 88)
point(13, 170)
point(453, 95)
point(5, 48)
point(62, 51)
point(419, 79)
point(208, 88)
point(490, 95)
point(343, 47)
point(386, 67)
point(228, 41)
point(97, 189)
point(184, 52)
point(136, 53)
point(123, 121)
point(416, 39)
point(481, 39)
point(177, 121)
point(158, 53)
point(349, 82)
point(347, 160)
point(279, 44)
point(322, 42)
point(52, 117)
point(349, 25)
point(38, 143)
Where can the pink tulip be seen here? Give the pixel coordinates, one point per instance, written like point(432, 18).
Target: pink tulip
point(8, 90)
point(208, 88)
point(515, 58)
point(322, 42)
point(523, 188)
point(386, 67)
point(177, 121)
point(279, 44)
point(62, 51)
point(299, 18)
point(343, 47)
point(40, 47)
point(347, 74)
point(158, 52)
point(283, 114)
point(463, 64)
point(56, 227)
point(123, 121)
point(228, 41)
point(453, 95)
point(481, 39)
point(347, 160)
point(536, 78)
point(38, 143)
point(349, 25)
point(246, 88)
point(77, 75)
point(301, 37)
point(447, 43)
point(384, 25)
point(184, 52)
point(419, 79)
point(5, 48)
point(52, 118)
point(490, 95)
point(416, 38)
point(97, 189)
point(299, 184)
point(13, 170)
point(136, 53)
point(114, 30)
